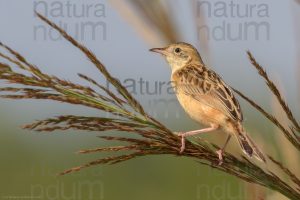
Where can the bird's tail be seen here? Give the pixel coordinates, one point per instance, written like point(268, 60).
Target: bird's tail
point(249, 147)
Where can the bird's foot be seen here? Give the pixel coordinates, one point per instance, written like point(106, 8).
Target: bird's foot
point(220, 155)
point(182, 135)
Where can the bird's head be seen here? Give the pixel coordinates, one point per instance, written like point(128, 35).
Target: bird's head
point(179, 55)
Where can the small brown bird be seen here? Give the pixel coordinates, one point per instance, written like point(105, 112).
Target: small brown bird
point(206, 98)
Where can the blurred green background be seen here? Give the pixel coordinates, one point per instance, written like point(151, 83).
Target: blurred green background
point(124, 31)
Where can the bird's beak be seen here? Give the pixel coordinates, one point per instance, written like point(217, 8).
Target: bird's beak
point(162, 51)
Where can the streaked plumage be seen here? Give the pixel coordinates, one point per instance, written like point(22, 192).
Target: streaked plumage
point(201, 83)
point(205, 96)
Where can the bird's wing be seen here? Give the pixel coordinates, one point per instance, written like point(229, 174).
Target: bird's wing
point(198, 82)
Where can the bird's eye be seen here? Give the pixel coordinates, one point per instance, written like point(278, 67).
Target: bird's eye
point(177, 50)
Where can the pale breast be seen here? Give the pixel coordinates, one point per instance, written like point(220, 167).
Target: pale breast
point(201, 112)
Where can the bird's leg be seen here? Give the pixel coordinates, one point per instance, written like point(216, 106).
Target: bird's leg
point(195, 132)
point(221, 151)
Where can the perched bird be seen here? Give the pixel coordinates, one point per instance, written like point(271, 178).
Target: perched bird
point(206, 98)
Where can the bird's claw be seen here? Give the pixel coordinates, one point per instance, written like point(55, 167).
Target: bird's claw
point(220, 155)
point(181, 134)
